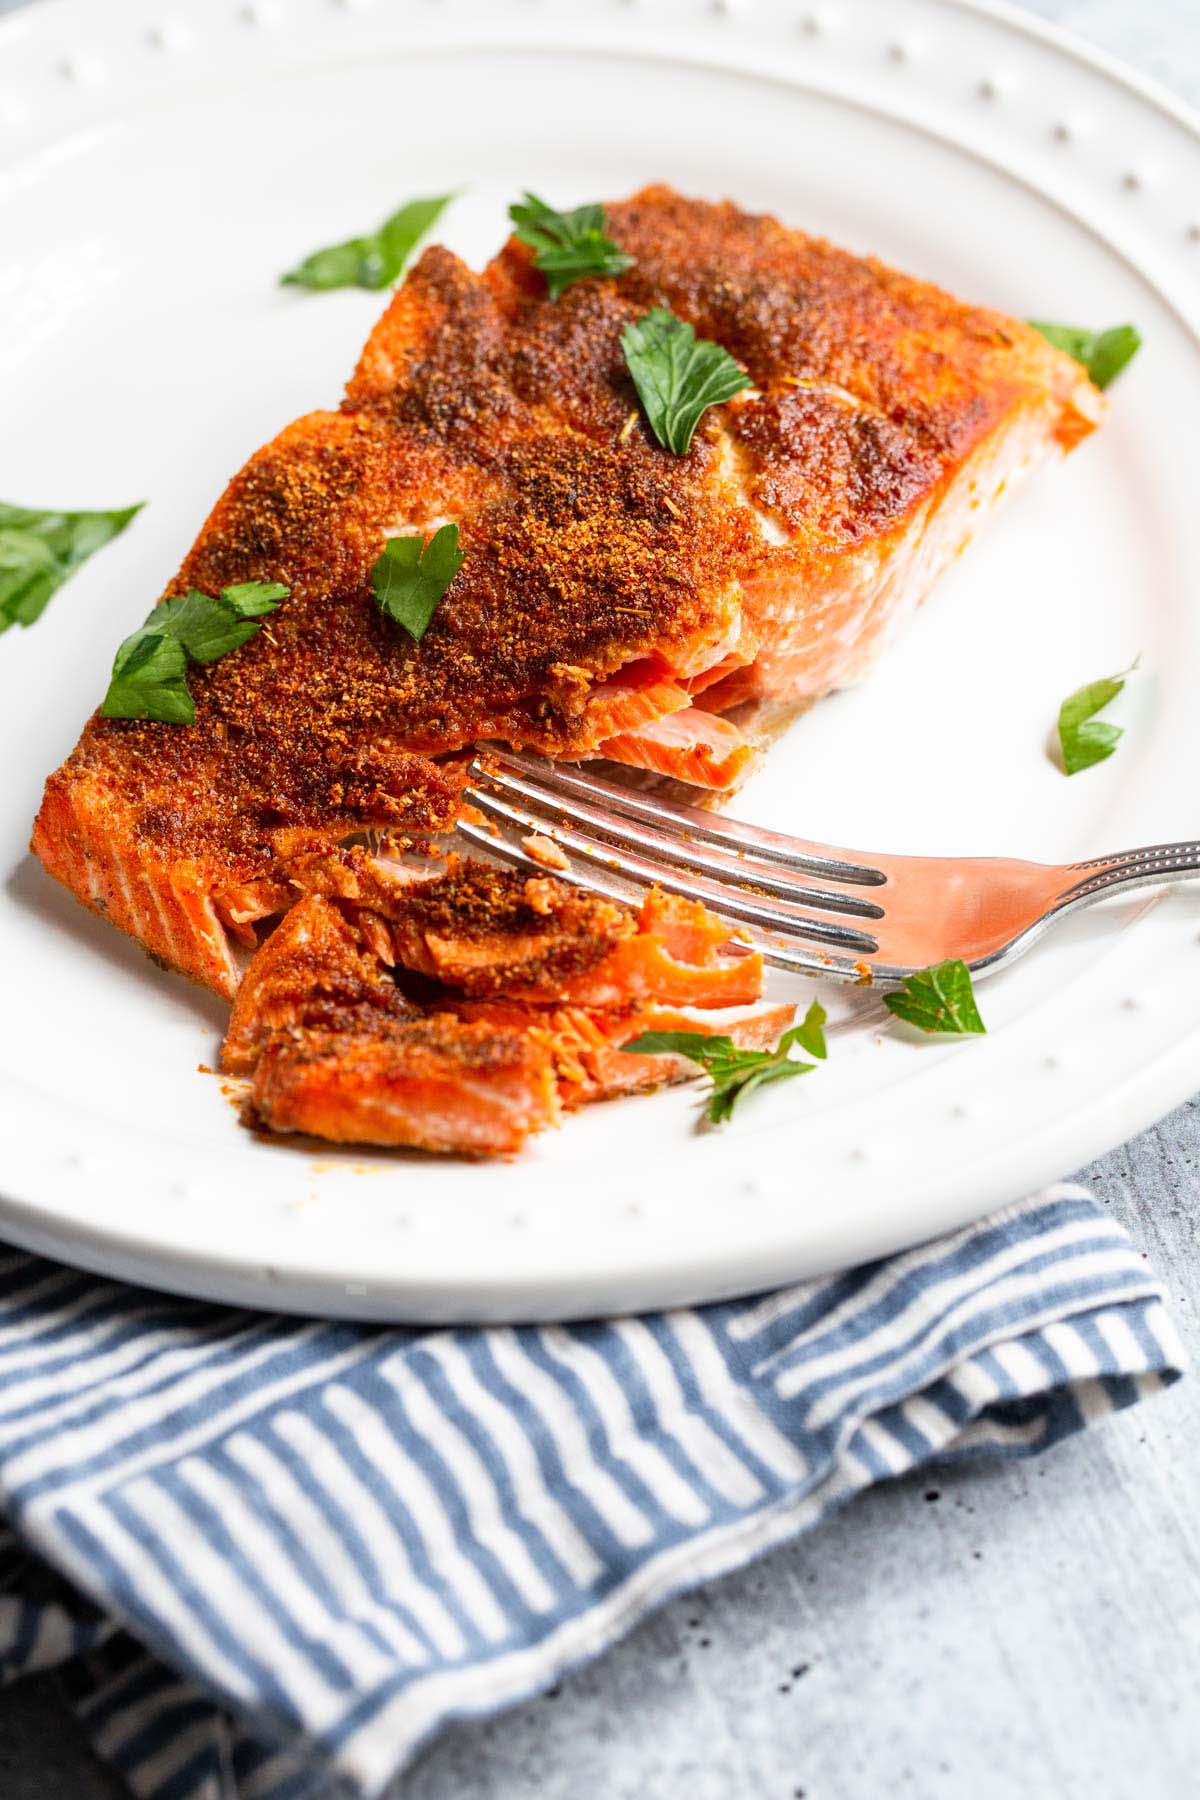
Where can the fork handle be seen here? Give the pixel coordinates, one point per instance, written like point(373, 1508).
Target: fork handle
point(1147, 867)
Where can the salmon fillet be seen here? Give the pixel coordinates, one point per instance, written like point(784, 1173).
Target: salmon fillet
point(615, 600)
point(337, 1048)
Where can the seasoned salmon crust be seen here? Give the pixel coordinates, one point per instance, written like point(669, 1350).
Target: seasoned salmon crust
point(615, 599)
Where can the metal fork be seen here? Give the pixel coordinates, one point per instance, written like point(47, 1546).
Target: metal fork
point(845, 914)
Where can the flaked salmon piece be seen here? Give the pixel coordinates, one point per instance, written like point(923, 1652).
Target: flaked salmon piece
point(586, 1043)
point(489, 932)
point(680, 956)
point(356, 873)
point(689, 932)
point(545, 851)
point(336, 1049)
point(634, 697)
point(314, 972)
point(486, 933)
point(476, 1081)
point(484, 930)
point(579, 1041)
point(642, 968)
point(428, 1084)
point(691, 745)
point(728, 665)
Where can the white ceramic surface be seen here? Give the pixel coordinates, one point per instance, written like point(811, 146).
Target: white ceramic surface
point(159, 167)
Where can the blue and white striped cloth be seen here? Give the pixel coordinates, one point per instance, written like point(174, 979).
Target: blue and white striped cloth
point(276, 1556)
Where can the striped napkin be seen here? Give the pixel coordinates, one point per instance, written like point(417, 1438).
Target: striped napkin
point(275, 1556)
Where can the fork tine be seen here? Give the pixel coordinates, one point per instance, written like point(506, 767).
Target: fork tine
point(794, 957)
point(721, 862)
point(732, 901)
point(528, 777)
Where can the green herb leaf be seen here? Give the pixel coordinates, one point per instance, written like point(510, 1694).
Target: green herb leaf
point(809, 1034)
point(411, 576)
point(568, 246)
point(735, 1073)
point(149, 675)
point(251, 599)
point(209, 628)
point(149, 680)
point(1084, 739)
point(40, 550)
point(678, 376)
point(1103, 353)
point(374, 261)
point(939, 999)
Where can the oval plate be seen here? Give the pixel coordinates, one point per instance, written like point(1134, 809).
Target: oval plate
point(155, 177)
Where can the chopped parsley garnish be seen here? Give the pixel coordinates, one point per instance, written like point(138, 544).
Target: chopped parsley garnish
point(40, 550)
point(939, 999)
point(411, 576)
point(735, 1073)
point(678, 376)
point(149, 674)
point(1082, 737)
point(374, 261)
point(1103, 353)
point(567, 246)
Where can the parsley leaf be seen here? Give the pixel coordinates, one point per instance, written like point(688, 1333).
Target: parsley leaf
point(149, 673)
point(209, 628)
point(411, 576)
point(149, 680)
point(939, 999)
point(40, 550)
point(251, 599)
point(568, 246)
point(1083, 739)
point(678, 376)
point(734, 1072)
point(1103, 353)
point(374, 261)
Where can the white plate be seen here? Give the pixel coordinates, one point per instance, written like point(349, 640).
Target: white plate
point(157, 170)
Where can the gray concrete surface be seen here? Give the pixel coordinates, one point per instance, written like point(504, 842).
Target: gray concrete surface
point(1005, 1632)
